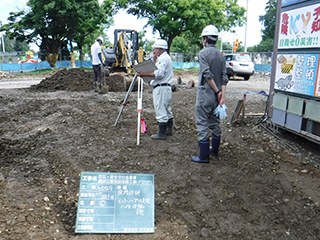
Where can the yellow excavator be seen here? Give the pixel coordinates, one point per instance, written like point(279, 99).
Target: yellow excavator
point(126, 52)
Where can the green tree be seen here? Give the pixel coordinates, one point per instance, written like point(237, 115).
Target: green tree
point(226, 47)
point(90, 22)
point(252, 49)
point(171, 18)
point(50, 22)
point(141, 38)
point(145, 43)
point(148, 47)
point(269, 22)
point(14, 45)
point(8, 44)
point(21, 46)
point(181, 45)
point(266, 45)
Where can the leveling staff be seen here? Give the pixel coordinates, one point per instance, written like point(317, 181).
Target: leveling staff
point(162, 92)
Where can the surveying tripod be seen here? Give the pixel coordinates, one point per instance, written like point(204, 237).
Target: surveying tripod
point(126, 98)
point(139, 107)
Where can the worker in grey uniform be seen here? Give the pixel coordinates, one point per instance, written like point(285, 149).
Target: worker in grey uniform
point(162, 92)
point(211, 92)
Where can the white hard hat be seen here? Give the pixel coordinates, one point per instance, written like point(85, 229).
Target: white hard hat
point(160, 44)
point(100, 39)
point(210, 30)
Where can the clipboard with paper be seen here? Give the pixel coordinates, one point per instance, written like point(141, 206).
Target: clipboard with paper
point(147, 66)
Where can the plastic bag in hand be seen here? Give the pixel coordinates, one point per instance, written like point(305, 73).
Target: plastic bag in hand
point(220, 111)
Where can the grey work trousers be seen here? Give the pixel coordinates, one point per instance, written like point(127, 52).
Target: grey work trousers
point(162, 103)
point(97, 73)
point(206, 121)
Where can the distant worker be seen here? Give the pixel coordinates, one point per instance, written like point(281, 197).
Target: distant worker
point(162, 92)
point(258, 59)
point(211, 92)
point(96, 62)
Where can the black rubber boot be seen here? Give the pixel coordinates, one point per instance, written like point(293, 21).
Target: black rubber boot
point(95, 86)
point(99, 87)
point(162, 132)
point(204, 153)
point(215, 143)
point(169, 126)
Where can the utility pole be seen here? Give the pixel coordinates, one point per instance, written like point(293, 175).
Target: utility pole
point(3, 49)
point(221, 50)
point(245, 36)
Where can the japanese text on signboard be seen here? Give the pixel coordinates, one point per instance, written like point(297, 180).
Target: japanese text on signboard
point(300, 28)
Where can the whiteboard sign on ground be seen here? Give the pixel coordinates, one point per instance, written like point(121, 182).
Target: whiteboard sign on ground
point(115, 203)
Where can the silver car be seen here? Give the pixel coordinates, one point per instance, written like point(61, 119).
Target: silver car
point(238, 64)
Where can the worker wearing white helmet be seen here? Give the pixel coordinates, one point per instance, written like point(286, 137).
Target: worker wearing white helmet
point(162, 92)
point(96, 62)
point(211, 92)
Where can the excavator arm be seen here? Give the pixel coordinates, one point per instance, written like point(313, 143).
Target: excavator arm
point(126, 53)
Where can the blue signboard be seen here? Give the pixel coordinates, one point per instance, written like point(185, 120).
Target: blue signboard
point(115, 203)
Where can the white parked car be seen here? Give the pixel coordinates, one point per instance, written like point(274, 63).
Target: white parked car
point(238, 64)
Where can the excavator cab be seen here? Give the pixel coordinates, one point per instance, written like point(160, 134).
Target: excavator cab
point(126, 51)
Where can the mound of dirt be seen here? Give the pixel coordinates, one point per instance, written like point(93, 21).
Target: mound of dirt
point(76, 80)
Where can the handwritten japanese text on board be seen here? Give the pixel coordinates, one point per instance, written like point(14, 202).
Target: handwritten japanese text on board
point(115, 203)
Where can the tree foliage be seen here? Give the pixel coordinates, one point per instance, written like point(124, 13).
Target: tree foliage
point(145, 43)
point(50, 22)
point(171, 18)
point(14, 45)
point(91, 21)
point(269, 22)
point(181, 45)
point(226, 46)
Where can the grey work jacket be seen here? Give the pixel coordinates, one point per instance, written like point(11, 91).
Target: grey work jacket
point(212, 66)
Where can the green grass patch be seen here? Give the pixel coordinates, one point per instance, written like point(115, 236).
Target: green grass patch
point(35, 72)
point(49, 70)
point(193, 68)
point(183, 69)
point(87, 68)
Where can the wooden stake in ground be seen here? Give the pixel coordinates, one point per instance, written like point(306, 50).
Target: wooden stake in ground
point(240, 107)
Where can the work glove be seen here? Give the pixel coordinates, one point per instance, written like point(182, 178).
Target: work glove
point(220, 111)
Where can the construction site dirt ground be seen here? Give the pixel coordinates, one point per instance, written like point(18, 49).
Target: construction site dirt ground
point(264, 184)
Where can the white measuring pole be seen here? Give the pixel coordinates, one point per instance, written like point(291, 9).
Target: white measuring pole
point(139, 107)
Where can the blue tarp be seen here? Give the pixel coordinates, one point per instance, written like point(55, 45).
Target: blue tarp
point(262, 68)
point(65, 64)
point(40, 65)
point(257, 67)
point(185, 64)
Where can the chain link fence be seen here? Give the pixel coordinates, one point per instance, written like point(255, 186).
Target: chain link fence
point(28, 61)
point(262, 60)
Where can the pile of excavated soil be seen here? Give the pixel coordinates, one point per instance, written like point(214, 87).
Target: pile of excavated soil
point(76, 80)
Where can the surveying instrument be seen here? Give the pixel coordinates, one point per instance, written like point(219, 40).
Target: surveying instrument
point(147, 67)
